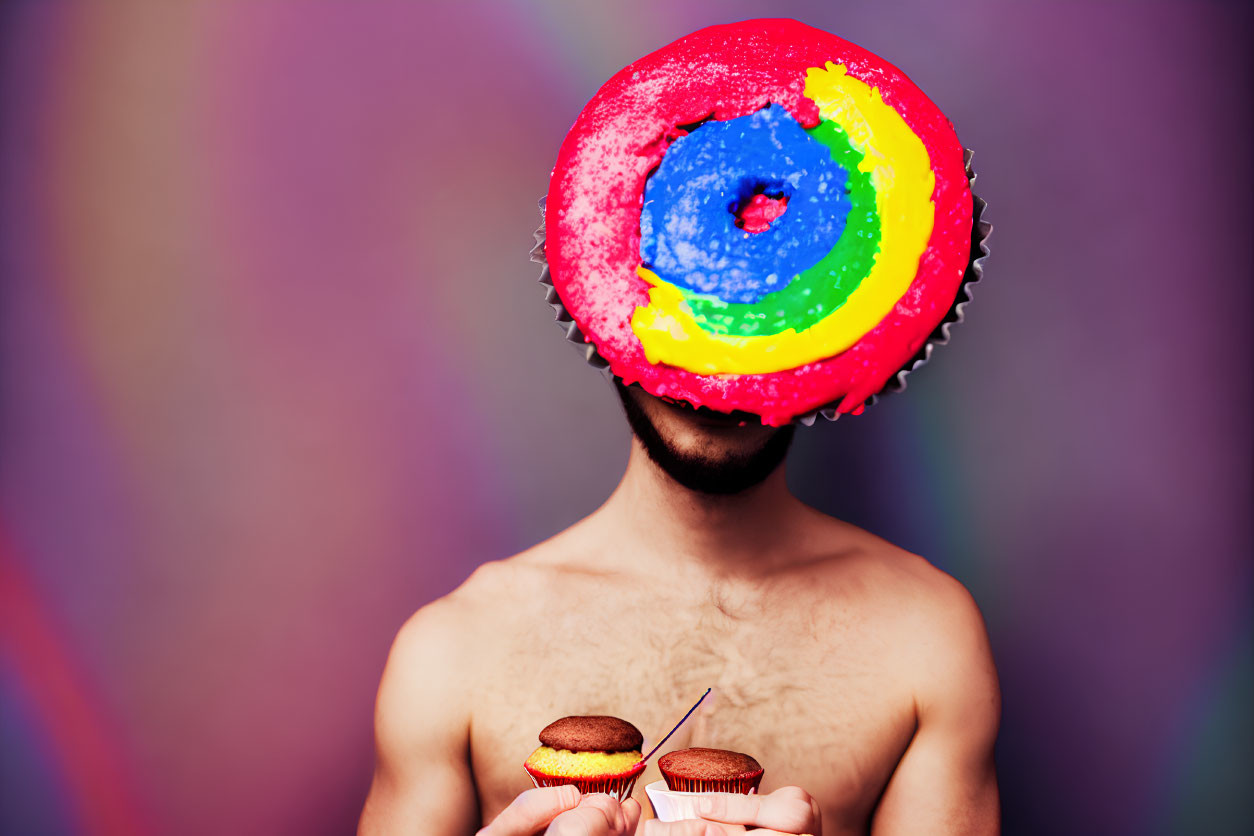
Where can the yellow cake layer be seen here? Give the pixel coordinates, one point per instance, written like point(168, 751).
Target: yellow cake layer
point(564, 763)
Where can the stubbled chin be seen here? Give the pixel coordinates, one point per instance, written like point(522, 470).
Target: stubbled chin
point(715, 446)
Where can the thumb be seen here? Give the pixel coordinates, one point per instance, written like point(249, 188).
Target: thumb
point(631, 809)
point(532, 810)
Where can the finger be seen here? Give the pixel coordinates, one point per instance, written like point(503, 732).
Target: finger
point(631, 812)
point(606, 806)
point(532, 810)
point(790, 792)
point(584, 820)
point(788, 810)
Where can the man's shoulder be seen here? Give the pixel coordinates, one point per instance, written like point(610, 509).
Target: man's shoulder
point(930, 609)
point(939, 633)
point(452, 634)
point(846, 550)
point(495, 591)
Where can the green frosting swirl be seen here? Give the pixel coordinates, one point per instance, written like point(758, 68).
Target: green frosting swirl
point(813, 294)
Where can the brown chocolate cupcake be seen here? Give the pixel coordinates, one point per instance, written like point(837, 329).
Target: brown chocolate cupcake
point(710, 770)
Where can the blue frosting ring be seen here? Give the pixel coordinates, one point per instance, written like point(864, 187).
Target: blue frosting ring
point(688, 232)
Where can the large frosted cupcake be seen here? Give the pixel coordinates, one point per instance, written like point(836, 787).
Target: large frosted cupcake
point(593, 753)
point(761, 217)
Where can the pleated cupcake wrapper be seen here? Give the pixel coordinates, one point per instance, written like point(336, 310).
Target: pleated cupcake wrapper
point(678, 805)
point(617, 786)
point(980, 230)
point(743, 784)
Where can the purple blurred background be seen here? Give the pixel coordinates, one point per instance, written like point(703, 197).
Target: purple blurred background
point(265, 300)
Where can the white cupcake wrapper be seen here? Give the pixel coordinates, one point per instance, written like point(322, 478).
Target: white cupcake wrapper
point(980, 230)
point(672, 805)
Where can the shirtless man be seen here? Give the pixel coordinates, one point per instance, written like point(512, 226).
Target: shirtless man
point(855, 672)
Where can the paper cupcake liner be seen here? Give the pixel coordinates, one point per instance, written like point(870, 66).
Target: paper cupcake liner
point(567, 323)
point(744, 785)
point(679, 805)
point(980, 230)
point(617, 786)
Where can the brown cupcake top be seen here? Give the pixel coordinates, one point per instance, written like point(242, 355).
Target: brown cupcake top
point(708, 764)
point(592, 734)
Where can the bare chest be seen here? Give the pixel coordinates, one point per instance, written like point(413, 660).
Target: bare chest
point(809, 693)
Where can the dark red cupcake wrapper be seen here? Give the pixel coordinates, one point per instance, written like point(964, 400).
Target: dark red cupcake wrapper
point(618, 786)
point(743, 784)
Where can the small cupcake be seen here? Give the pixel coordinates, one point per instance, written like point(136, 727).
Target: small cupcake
point(710, 770)
point(595, 754)
point(691, 772)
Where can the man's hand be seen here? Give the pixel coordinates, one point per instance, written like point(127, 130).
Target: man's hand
point(561, 811)
point(788, 810)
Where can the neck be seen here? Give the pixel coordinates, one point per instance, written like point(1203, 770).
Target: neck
point(715, 533)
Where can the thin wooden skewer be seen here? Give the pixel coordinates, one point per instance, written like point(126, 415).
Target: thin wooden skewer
point(677, 725)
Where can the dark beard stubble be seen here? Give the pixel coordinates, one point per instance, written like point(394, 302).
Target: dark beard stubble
point(698, 473)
